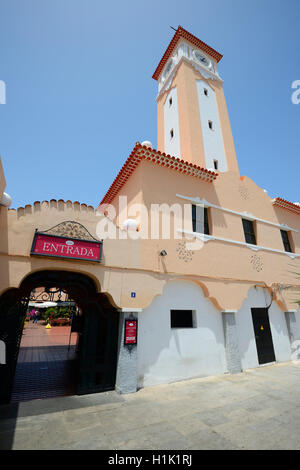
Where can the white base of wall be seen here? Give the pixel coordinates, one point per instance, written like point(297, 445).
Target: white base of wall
point(258, 297)
point(167, 355)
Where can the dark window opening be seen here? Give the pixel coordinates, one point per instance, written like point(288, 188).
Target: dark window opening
point(249, 232)
point(216, 164)
point(210, 124)
point(205, 92)
point(200, 219)
point(182, 319)
point(286, 241)
point(170, 101)
point(171, 133)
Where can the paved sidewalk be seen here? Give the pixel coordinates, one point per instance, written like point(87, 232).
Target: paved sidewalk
point(258, 409)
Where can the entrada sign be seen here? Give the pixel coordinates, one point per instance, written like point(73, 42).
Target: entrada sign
point(63, 247)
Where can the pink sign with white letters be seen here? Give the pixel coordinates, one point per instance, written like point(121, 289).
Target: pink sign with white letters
point(61, 247)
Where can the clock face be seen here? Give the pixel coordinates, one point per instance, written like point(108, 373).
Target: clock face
point(202, 59)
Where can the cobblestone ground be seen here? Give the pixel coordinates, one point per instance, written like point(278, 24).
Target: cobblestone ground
point(258, 409)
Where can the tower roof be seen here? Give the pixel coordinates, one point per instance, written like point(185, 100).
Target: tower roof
point(181, 33)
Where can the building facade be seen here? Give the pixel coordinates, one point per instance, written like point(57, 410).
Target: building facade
point(200, 257)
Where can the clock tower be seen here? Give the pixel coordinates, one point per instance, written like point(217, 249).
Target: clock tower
point(193, 122)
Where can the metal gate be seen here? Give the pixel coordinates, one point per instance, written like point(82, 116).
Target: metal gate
point(98, 350)
point(98, 340)
point(12, 316)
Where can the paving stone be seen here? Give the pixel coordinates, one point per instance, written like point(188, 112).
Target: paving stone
point(209, 440)
point(211, 418)
point(259, 411)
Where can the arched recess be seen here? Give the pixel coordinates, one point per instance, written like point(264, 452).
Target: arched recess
point(204, 288)
point(178, 353)
point(98, 344)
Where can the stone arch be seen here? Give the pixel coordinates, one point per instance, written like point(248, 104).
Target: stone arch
point(100, 328)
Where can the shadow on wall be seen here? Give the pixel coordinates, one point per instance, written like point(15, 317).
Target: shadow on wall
point(166, 354)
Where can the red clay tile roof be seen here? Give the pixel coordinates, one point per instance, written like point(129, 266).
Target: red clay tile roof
point(182, 33)
point(279, 202)
point(141, 152)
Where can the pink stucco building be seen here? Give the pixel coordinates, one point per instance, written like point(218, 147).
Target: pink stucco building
point(198, 254)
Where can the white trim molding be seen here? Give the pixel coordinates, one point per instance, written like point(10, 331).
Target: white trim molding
point(185, 52)
point(204, 203)
point(130, 310)
point(206, 238)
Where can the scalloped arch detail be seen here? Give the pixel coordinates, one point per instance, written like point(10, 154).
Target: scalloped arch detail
point(205, 290)
point(200, 284)
point(272, 293)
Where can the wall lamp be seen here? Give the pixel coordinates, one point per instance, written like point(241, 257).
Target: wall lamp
point(163, 253)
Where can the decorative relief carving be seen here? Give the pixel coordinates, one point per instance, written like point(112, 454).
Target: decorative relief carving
point(183, 253)
point(244, 192)
point(257, 263)
point(208, 74)
point(71, 229)
point(204, 71)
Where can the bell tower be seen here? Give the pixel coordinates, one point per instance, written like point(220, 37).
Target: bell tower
point(193, 121)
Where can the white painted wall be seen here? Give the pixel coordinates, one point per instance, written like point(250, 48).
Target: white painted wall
point(212, 139)
point(297, 323)
point(259, 298)
point(171, 121)
point(165, 354)
point(186, 51)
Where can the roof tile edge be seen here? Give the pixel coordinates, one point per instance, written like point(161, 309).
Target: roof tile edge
point(141, 152)
point(182, 33)
point(279, 202)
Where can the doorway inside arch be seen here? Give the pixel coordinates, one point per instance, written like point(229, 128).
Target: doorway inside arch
point(61, 338)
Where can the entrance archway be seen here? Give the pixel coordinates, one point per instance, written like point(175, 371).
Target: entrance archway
point(98, 345)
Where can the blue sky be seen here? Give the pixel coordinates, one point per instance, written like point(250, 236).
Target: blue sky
point(80, 93)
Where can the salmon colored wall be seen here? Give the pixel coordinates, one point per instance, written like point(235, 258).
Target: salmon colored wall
point(132, 190)
point(224, 271)
point(228, 269)
point(2, 179)
point(191, 141)
point(118, 275)
point(232, 162)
